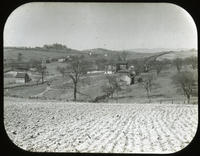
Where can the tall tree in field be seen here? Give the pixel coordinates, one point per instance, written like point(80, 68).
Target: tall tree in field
point(40, 68)
point(147, 84)
point(112, 87)
point(185, 81)
point(192, 61)
point(124, 56)
point(158, 65)
point(42, 71)
point(77, 69)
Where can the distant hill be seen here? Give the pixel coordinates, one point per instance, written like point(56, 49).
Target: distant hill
point(39, 53)
point(155, 50)
point(130, 54)
point(36, 53)
point(179, 54)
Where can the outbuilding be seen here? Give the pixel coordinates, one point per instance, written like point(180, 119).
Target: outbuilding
point(22, 78)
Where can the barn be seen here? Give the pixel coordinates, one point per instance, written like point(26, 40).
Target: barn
point(125, 73)
point(22, 78)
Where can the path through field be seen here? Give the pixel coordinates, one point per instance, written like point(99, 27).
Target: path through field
point(108, 128)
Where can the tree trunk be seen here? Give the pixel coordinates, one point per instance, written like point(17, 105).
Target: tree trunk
point(42, 78)
point(75, 91)
point(117, 96)
point(148, 96)
point(188, 99)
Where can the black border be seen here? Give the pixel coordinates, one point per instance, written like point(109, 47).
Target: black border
point(8, 148)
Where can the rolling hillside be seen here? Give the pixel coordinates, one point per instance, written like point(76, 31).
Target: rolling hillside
point(179, 54)
point(12, 53)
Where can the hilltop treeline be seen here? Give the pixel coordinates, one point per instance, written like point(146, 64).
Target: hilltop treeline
point(54, 46)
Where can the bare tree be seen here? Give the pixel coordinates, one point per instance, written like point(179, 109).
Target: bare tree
point(42, 70)
point(147, 84)
point(192, 61)
point(178, 62)
point(112, 87)
point(124, 56)
point(77, 69)
point(185, 80)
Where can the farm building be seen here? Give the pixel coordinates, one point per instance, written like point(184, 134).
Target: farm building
point(125, 73)
point(122, 77)
point(110, 69)
point(122, 67)
point(61, 60)
point(22, 78)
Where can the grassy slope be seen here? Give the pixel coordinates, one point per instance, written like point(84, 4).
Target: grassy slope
point(26, 91)
point(33, 54)
point(62, 88)
point(12, 53)
point(164, 87)
point(163, 90)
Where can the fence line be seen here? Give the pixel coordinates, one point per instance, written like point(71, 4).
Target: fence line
point(25, 85)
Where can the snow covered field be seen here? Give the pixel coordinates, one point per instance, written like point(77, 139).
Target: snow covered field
point(109, 128)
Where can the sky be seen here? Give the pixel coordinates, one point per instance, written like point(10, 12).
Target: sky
point(115, 26)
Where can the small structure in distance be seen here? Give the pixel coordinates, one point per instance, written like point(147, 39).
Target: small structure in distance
point(22, 78)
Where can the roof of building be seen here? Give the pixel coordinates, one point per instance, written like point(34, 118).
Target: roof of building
point(21, 75)
point(123, 71)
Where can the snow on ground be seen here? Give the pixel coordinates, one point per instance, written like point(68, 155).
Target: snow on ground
point(102, 128)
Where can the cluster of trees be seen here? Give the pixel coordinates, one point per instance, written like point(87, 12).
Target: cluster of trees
point(179, 63)
point(186, 80)
point(113, 86)
point(56, 46)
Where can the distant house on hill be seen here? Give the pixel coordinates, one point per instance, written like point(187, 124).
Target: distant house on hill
point(22, 78)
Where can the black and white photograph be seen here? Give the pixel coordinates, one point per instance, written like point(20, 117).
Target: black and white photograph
point(100, 77)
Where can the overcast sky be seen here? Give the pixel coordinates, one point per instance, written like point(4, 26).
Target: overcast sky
point(114, 26)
